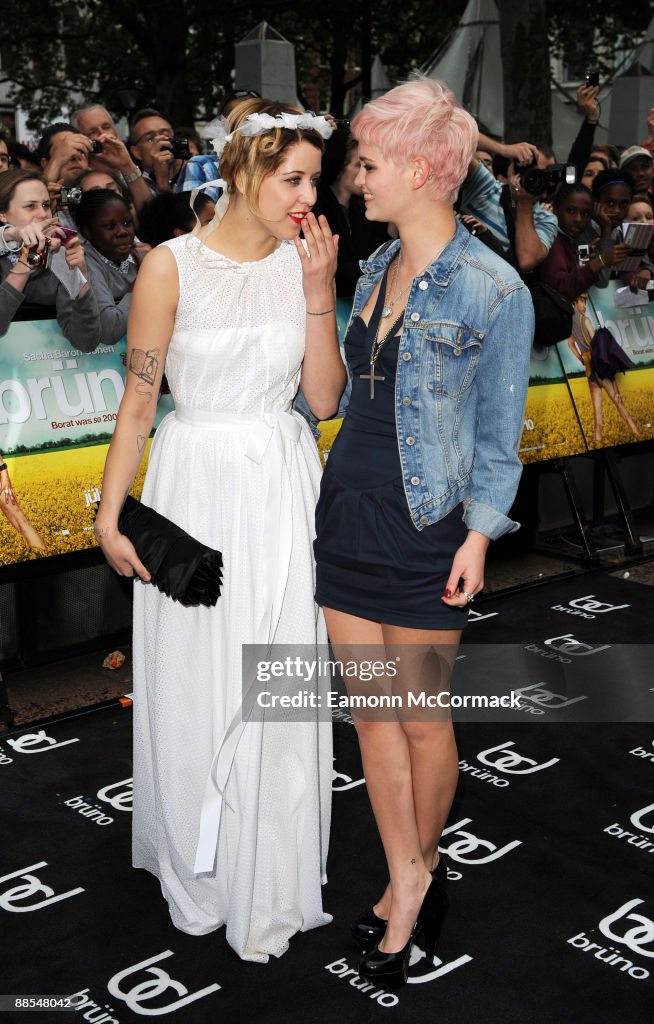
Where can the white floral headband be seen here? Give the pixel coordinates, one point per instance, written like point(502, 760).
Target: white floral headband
point(257, 124)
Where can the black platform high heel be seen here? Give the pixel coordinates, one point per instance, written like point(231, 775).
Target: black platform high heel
point(368, 929)
point(390, 969)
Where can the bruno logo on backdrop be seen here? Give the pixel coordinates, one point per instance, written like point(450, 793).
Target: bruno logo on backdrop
point(154, 984)
point(643, 820)
point(19, 898)
point(567, 644)
point(539, 699)
point(465, 849)
point(118, 795)
point(36, 743)
point(587, 607)
point(631, 931)
point(511, 762)
point(507, 761)
point(421, 969)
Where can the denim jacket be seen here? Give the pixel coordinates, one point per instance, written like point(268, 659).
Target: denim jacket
point(461, 383)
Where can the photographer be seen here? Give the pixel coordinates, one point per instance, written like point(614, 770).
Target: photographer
point(481, 197)
point(151, 144)
point(33, 236)
point(25, 205)
point(109, 153)
point(63, 156)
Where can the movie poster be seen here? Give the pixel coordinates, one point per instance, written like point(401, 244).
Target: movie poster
point(551, 428)
point(611, 379)
point(58, 407)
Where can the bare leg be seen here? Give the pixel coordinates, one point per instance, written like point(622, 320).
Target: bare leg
point(432, 747)
point(613, 391)
point(410, 770)
point(596, 399)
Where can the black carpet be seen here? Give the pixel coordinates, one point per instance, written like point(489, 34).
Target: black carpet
point(550, 846)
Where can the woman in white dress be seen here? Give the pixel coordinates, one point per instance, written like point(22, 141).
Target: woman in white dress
point(232, 817)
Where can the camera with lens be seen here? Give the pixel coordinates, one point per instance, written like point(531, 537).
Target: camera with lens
point(70, 196)
point(37, 260)
point(96, 146)
point(180, 149)
point(342, 122)
point(591, 78)
point(538, 182)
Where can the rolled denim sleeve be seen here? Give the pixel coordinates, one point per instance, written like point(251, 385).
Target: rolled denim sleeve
point(502, 380)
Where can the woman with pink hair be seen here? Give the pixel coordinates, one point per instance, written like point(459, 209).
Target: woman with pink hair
point(419, 480)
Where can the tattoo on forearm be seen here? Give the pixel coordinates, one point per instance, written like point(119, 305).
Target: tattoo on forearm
point(144, 392)
point(140, 442)
point(144, 364)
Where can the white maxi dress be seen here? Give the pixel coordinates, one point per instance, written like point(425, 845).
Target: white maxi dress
point(232, 819)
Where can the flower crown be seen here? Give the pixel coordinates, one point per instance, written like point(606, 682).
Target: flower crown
point(257, 124)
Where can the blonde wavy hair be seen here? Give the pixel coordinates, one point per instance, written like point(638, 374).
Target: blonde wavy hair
point(249, 159)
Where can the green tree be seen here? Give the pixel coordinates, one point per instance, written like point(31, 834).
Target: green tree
point(178, 54)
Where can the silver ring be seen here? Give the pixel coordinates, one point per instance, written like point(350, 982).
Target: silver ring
point(470, 597)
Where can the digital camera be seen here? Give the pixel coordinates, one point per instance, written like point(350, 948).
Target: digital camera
point(180, 149)
point(37, 260)
point(69, 196)
point(538, 182)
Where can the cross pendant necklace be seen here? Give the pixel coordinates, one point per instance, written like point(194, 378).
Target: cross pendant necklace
point(372, 378)
point(378, 342)
point(376, 348)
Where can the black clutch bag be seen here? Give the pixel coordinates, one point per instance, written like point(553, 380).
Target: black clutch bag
point(180, 566)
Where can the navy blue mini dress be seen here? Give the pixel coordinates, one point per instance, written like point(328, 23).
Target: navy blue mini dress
point(370, 559)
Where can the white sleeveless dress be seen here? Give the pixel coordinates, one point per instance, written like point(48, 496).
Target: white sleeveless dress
point(233, 819)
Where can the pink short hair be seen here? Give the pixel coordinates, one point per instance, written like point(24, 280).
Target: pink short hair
point(422, 118)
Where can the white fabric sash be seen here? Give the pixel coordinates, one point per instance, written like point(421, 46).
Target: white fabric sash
point(265, 439)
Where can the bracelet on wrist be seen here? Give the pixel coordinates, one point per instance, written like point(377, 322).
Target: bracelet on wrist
point(601, 259)
point(323, 313)
point(11, 245)
point(23, 273)
point(133, 176)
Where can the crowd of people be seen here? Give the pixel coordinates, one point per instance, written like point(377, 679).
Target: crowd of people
point(231, 811)
point(569, 234)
